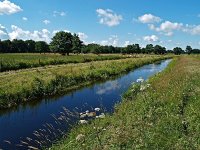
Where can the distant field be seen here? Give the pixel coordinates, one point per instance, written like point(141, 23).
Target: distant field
point(30, 60)
point(23, 85)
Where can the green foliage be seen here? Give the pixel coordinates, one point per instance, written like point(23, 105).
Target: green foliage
point(77, 44)
point(62, 43)
point(163, 116)
point(41, 47)
point(30, 60)
point(178, 51)
point(27, 84)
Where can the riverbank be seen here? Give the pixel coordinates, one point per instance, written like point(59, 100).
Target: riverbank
point(17, 61)
point(161, 115)
point(24, 85)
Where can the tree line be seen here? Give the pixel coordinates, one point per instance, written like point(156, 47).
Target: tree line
point(65, 43)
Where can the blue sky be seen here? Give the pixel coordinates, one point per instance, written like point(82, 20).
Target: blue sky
point(108, 22)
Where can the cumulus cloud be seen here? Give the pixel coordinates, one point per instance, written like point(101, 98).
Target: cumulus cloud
point(127, 43)
point(113, 40)
point(192, 29)
point(46, 22)
point(152, 38)
point(8, 8)
point(108, 17)
point(18, 33)
point(57, 13)
point(3, 32)
point(82, 36)
point(149, 18)
point(167, 27)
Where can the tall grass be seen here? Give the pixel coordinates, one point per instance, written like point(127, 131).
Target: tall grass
point(30, 60)
point(21, 86)
point(164, 116)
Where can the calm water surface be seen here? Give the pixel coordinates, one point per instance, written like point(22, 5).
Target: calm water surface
point(19, 123)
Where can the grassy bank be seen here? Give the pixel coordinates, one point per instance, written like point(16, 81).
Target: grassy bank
point(21, 86)
point(164, 116)
point(30, 60)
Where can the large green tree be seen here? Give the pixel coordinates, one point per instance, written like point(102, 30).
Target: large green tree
point(62, 43)
point(177, 50)
point(77, 44)
point(188, 50)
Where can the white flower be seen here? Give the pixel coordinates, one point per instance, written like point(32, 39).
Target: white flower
point(101, 116)
point(97, 109)
point(140, 80)
point(80, 137)
point(83, 115)
point(83, 121)
point(142, 88)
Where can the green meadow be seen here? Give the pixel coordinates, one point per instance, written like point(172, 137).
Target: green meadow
point(162, 113)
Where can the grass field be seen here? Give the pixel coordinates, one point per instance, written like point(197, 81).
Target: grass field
point(23, 85)
point(30, 60)
point(164, 116)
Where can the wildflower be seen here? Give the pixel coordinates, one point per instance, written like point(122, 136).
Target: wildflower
point(142, 87)
point(83, 121)
point(140, 80)
point(101, 116)
point(80, 137)
point(148, 85)
point(83, 115)
point(97, 109)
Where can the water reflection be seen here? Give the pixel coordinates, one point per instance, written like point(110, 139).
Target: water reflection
point(18, 123)
point(108, 87)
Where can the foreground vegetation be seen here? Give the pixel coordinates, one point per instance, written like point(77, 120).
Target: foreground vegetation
point(24, 85)
point(29, 60)
point(163, 116)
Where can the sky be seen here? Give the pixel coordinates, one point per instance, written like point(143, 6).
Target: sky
point(170, 23)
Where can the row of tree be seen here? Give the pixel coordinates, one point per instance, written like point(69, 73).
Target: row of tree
point(65, 43)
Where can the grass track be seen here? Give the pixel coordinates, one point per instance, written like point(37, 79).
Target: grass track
point(30, 60)
point(23, 85)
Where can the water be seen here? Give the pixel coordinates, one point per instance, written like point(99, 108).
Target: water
point(19, 123)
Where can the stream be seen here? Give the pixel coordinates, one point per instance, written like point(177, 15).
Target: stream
point(17, 124)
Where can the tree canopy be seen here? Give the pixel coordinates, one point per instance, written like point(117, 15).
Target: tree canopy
point(65, 43)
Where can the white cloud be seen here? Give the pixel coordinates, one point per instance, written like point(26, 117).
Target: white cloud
point(3, 32)
point(46, 22)
point(167, 27)
point(152, 38)
point(82, 36)
point(108, 17)
point(8, 8)
point(18, 33)
point(57, 13)
point(24, 18)
point(112, 40)
point(149, 18)
point(127, 43)
point(192, 29)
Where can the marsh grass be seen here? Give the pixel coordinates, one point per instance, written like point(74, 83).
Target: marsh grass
point(24, 85)
point(164, 116)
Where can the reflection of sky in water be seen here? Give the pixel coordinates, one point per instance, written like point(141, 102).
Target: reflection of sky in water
point(18, 124)
point(108, 87)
